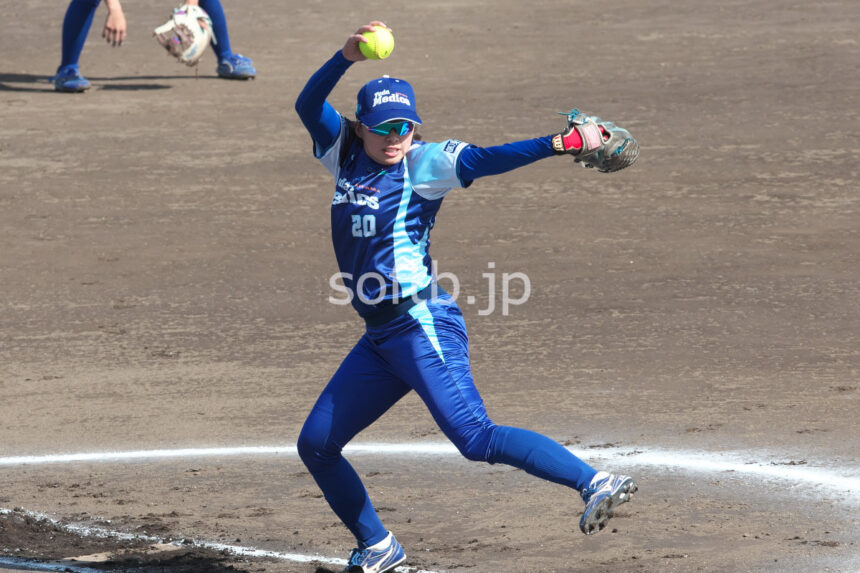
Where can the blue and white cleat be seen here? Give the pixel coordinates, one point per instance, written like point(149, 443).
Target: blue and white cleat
point(605, 492)
point(236, 67)
point(376, 560)
point(70, 80)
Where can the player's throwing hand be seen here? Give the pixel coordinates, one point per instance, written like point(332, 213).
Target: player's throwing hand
point(351, 50)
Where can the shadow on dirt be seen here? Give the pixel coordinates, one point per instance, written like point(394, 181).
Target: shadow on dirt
point(191, 562)
point(42, 83)
point(31, 543)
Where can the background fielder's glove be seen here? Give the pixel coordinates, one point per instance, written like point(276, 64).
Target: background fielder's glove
point(605, 146)
point(186, 34)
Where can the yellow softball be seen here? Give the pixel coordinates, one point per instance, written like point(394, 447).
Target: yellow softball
point(380, 44)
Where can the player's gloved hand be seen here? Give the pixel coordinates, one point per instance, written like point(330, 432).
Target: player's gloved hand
point(186, 34)
point(596, 143)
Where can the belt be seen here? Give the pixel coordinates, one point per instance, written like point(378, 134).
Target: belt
point(388, 313)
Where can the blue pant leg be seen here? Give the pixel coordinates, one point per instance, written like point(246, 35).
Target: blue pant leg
point(540, 456)
point(434, 360)
point(76, 27)
point(360, 391)
point(221, 43)
point(430, 352)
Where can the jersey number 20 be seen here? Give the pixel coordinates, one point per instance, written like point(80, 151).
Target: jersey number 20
point(363, 226)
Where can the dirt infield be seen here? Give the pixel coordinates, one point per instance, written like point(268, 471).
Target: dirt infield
point(165, 262)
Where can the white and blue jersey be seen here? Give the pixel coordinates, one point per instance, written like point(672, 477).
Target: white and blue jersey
point(381, 216)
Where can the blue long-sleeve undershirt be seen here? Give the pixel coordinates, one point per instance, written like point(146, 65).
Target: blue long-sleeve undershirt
point(482, 161)
point(320, 118)
point(323, 123)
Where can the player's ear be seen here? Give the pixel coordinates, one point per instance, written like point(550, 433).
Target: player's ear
point(359, 129)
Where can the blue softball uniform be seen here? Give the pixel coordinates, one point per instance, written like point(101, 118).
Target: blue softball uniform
point(381, 221)
point(381, 217)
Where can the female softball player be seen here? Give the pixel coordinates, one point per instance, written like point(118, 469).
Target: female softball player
point(388, 189)
point(79, 18)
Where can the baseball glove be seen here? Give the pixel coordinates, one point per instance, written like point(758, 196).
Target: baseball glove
point(605, 146)
point(186, 34)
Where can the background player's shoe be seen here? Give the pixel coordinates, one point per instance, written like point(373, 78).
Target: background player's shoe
point(376, 560)
point(70, 80)
point(236, 67)
point(605, 492)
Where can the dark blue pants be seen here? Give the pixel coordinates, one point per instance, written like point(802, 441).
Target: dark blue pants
point(426, 350)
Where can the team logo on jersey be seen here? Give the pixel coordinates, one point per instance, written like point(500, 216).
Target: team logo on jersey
point(385, 96)
point(451, 146)
point(346, 193)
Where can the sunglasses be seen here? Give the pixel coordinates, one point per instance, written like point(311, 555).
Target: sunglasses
point(401, 128)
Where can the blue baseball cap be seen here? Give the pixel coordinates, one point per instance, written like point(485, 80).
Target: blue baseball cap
point(386, 99)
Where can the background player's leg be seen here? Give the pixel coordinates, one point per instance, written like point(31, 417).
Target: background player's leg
point(76, 27)
point(230, 65)
point(434, 359)
point(219, 28)
point(359, 392)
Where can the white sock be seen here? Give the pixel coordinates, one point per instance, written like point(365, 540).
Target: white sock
point(382, 544)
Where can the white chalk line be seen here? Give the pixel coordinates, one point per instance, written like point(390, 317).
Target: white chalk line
point(740, 463)
point(22, 564)
point(748, 463)
point(94, 531)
